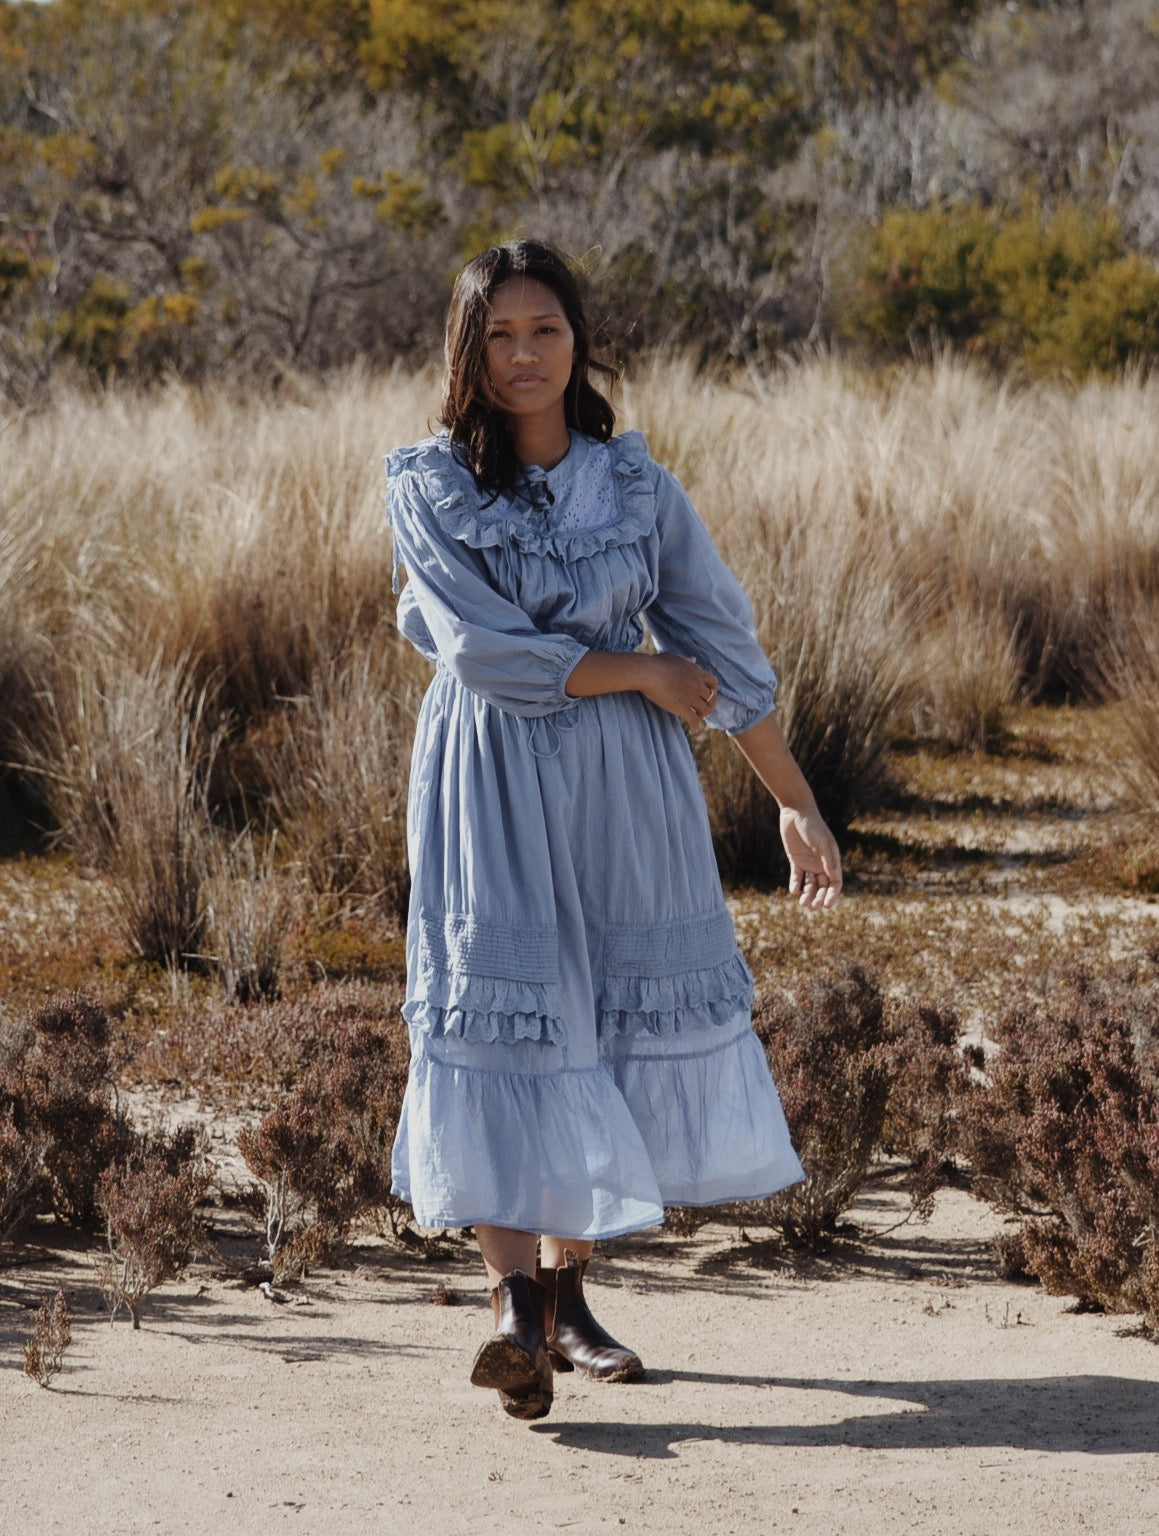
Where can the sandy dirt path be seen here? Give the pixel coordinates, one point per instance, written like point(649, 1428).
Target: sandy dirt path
point(901, 1388)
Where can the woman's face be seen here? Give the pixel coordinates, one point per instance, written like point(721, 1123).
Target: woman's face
point(530, 350)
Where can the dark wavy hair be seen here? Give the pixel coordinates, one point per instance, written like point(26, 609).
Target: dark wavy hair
point(478, 429)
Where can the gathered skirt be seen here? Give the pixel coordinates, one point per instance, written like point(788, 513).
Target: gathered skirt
point(582, 1051)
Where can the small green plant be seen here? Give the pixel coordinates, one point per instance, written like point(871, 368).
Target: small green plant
point(44, 1352)
point(150, 1202)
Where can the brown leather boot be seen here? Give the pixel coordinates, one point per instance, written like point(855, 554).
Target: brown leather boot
point(575, 1341)
point(514, 1360)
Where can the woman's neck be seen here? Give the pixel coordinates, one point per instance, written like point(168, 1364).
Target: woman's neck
point(543, 443)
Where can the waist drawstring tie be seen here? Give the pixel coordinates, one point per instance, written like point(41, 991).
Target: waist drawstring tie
point(550, 727)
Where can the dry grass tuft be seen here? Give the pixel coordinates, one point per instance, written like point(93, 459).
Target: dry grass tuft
point(1133, 671)
point(338, 779)
point(251, 907)
point(925, 549)
point(968, 684)
point(123, 756)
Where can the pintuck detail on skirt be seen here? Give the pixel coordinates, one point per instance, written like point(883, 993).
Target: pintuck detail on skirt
point(666, 979)
point(482, 980)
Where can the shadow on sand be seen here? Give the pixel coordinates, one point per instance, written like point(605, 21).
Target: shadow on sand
point(1096, 1415)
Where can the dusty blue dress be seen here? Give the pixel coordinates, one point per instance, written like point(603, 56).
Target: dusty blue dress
point(579, 1013)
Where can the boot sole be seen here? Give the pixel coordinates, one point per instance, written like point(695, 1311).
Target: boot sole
point(504, 1364)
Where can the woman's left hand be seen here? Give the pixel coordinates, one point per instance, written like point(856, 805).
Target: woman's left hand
point(814, 861)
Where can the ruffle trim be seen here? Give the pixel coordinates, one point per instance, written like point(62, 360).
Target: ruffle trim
point(447, 486)
point(672, 1005)
point(485, 1009)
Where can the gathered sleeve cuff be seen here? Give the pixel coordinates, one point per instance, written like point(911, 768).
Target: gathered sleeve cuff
point(702, 611)
point(453, 614)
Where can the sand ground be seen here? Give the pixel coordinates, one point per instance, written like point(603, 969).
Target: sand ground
point(898, 1387)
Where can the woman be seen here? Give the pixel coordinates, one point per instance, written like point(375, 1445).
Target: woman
point(582, 1045)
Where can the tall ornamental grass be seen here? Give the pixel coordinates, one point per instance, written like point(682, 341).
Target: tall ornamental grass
point(922, 547)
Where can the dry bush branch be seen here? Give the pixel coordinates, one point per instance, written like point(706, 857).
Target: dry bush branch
point(150, 1202)
point(257, 1050)
point(59, 1119)
point(857, 1079)
point(21, 1169)
point(831, 1060)
point(44, 1353)
point(322, 1154)
point(1062, 1130)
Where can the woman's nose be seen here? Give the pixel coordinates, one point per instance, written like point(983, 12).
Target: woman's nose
point(523, 349)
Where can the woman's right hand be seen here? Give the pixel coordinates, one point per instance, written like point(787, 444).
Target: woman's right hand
point(681, 686)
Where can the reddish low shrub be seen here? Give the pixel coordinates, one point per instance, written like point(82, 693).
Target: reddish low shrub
point(929, 1076)
point(858, 1079)
point(150, 1202)
point(57, 1109)
point(257, 1050)
point(322, 1154)
point(1063, 1131)
point(21, 1172)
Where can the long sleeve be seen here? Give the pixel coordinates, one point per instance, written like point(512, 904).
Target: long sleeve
point(702, 611)
point(452, 611)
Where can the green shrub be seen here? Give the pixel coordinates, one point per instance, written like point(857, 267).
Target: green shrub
point(926, 274)
point(1054, 292)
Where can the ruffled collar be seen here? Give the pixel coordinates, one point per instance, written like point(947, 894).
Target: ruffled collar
point(449, 489)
